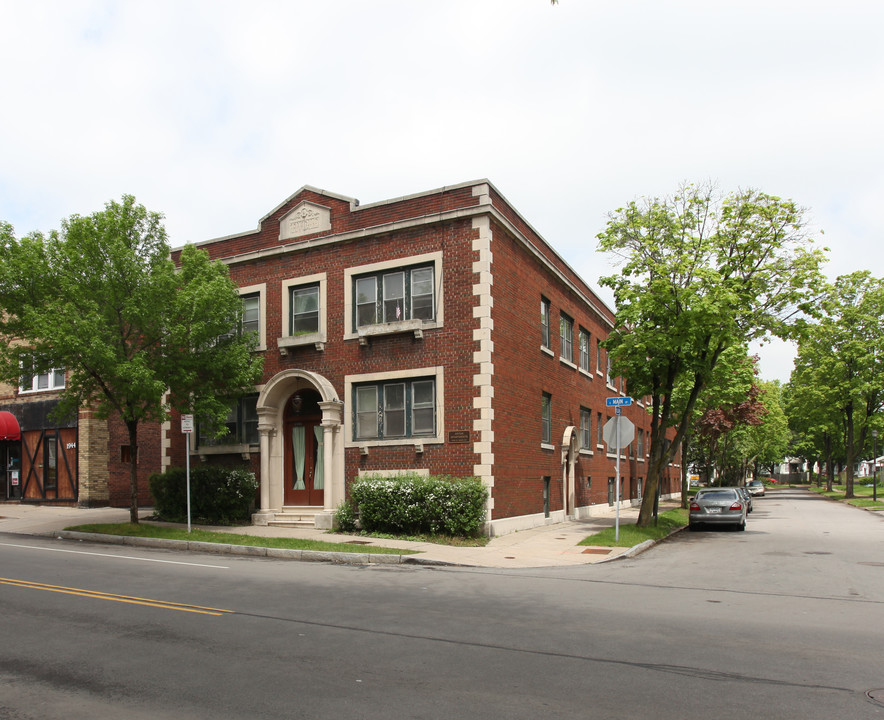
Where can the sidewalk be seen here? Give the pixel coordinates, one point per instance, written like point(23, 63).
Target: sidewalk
point(554, 545)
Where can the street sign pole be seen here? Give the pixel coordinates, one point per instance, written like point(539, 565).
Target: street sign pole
point(617, 484)
point(187, 429)
point(618, 403)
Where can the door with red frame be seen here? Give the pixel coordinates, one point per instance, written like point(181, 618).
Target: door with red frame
point(303, 475)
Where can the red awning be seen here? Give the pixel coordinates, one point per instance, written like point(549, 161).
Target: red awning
point(9, 429)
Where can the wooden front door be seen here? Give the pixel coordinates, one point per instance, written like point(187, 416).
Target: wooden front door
point(304, 477)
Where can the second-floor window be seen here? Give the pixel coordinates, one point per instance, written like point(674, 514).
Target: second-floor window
point(52, 380)
point(584, 350)
point(544, 322)
point(305, 309)
point(251, 313)
point(566, 332)
point(406, 294)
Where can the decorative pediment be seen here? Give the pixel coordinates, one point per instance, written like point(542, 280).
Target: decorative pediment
point(306, 219)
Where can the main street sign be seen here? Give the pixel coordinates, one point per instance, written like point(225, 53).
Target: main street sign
point(618, 401)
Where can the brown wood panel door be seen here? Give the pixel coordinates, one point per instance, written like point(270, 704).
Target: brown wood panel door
point(303, 475)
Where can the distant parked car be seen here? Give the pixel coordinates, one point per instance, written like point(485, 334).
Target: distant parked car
point(755, 487)
point(747, 496)
point(720, 506)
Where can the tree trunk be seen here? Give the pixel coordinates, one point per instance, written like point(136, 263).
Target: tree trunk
point(132, 426)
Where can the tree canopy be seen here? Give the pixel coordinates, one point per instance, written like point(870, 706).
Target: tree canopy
point(102, 298)
point(701, 273)
point(837, 387)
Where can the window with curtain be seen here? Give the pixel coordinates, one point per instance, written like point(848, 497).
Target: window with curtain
point(392, 296)
point(395, 409)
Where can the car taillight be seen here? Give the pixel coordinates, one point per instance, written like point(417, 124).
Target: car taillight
point(694, 506)
point(736, 506)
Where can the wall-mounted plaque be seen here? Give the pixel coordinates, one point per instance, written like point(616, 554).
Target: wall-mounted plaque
point(305, 219)
point(458, 436)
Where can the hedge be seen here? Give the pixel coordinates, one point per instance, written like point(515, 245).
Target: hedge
point(218, 495)
point(411, 504)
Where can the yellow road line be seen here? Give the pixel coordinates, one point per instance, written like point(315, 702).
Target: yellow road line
point(117, 598)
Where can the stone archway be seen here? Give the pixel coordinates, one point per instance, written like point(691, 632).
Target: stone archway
point(271, 418)
point(569, 460)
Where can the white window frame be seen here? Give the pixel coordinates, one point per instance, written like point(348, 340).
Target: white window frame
point(566, 339)
point(584, 360)
point(351, 331)
point(318, 339)
point(261, 291)
point(51, 376)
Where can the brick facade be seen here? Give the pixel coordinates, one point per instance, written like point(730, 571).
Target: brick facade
point(478, 352)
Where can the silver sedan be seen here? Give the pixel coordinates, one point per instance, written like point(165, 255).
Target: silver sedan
point(721, 506)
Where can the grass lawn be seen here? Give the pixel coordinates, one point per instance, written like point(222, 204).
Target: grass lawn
point(630, 535)
point(863, 495)
point(174, 533)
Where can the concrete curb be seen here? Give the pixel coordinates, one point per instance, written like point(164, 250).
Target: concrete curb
point(340, 558)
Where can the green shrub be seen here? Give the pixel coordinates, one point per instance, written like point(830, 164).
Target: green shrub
point(346, 517)
point(413, 504)
point(218, 495)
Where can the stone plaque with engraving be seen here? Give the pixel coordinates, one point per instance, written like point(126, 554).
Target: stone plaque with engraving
point(306, 219)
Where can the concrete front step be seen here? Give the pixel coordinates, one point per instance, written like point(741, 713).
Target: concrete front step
point(295, 517)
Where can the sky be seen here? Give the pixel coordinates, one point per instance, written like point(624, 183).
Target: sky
point(214, 112)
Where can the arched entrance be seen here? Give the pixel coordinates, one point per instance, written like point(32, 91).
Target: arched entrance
point(303, 467)
point(569, 460)
point(302, 451)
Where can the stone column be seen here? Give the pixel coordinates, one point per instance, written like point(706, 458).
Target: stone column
point(266, 431)
point(332, 459)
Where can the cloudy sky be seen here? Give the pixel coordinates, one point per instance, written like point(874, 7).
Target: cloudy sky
point(213, 112)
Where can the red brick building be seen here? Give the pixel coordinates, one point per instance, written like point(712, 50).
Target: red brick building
point(79, 460)
point(404, 335)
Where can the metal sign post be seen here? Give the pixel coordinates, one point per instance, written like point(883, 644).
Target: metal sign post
point(621, 438)
point(187, 429)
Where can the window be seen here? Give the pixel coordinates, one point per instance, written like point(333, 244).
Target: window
point(608, 370)
point(51, 380)
point(405, 294)
point(250, 320)
point(251, 313)
point(241, 424)
point(546, 419)
point(544, 322)
point(598, 357)
point(585, 429)
point(640, 442)
point(566, 330)
point(304, 304)
point(50, 462)
point(612, 489)
point(584, 351)
point(599, 429)
point(396, 409)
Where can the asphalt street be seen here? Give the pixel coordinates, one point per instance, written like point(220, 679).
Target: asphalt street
point(781, 621)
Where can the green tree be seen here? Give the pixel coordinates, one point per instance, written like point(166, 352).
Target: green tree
point(815, 427)
point(840, 362)
point(700, 273)
point(138, 336)
point(764, 444)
